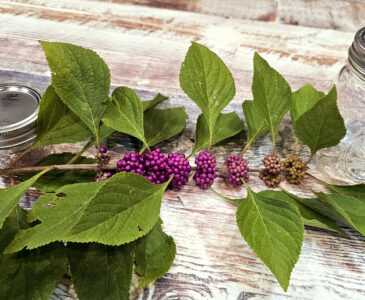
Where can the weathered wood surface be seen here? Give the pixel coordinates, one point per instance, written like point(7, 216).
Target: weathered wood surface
point(144, 48)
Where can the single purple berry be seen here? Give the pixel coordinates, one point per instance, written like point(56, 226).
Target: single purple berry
point(237, 170)
point(103, 150)
point(205, 170)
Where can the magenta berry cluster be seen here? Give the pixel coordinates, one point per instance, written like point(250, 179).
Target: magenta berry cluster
point(156, 167)
point(178, 165)
point(237, 170)
point(205, 170)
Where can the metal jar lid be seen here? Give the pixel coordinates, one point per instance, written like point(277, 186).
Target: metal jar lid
point(357, 52)
point(19, 106)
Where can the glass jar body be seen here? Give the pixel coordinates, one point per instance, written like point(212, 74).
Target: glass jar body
point(346, 161)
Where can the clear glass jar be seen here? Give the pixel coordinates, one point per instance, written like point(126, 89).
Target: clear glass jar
point(346, 161)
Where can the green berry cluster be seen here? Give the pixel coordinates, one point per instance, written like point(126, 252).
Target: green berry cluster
point(295, 169)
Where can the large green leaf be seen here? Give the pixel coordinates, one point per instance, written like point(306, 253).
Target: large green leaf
point(28, 275)
point(125, 208)
point(207, 81)
point(148, 104)
point(350, 208)
point(310, 217)
point(302, 100)
point(271, 94)
point(357, 191)
point(155, 254)
point(321, 126)
point(114, 212)
point(53, 180)
point(56, 214)
point(11, 196)
point(162, 124)
point(125, 113)
point(81, 79)
point(227, 125)
point(100, 271)
point(256, 125)
point(57, 124)
point(274, 230)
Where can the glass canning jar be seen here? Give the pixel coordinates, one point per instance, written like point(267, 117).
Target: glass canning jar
point(19, 106)
point(346, 161)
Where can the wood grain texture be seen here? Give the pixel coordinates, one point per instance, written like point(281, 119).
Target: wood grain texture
point(344, 15)
point(144, 48)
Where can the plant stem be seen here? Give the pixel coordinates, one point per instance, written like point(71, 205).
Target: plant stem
point(73, 159)
point(55, 167)
point(245, 149)
point(210, 139)
point(273, 145)
point(295, 145)
point(226, 199)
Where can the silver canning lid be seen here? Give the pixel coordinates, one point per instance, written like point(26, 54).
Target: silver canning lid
point(357, 52)
point(19, 107)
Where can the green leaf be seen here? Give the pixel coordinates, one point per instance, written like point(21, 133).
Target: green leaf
point(148, 104)
point(162, 124)
point(357, 191)
point(11, 196)
point(113, 212)
point(100, 271)
point(227, 125)
point(303, 100)
point(125, 208)
point(155, 254)
point(29, 275)
point(125, 113)
point(309, 216)
point(256, 126)
point(350, 208)
point(271, 94)
point(57, 213)
point(274, 230)
point(323, 209)
point(322, 126)
point(57, 124)
point(81, 79)
point(207, 81)
point(53, 180)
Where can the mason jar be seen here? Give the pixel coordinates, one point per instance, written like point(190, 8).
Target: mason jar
point(19, 107)
point(346, 161)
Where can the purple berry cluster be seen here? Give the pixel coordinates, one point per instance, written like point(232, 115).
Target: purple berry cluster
point(178, 165)
point(156, 167)
point(155, 164)
point(205, 170)
point(237, 170)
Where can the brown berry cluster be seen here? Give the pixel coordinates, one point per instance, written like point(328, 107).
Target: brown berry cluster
point(295, 169)
point(272, 173)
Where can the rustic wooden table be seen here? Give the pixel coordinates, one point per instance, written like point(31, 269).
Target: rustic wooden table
point(144, 43)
